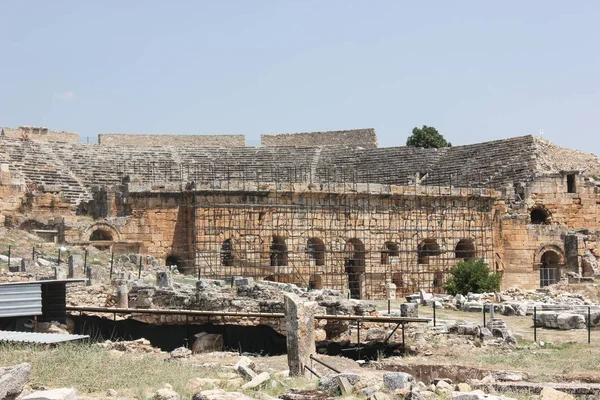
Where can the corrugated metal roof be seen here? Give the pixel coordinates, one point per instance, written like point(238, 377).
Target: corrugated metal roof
point(35, 337)
point(44, 281)
point(21, 300)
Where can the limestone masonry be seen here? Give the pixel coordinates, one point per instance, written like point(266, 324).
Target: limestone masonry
point(320, 210)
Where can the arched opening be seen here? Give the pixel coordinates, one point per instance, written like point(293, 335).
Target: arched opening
point(549, 268)
point(315, 248)
point(278, 252)
point(101, 235)
point(465, 248)
point(426, 249)
point(438, 282)
point(173, 261)
point(315, 282)
point(227, 253)
point(390, 249)
point(398, 280)
point(355, 265)
point(540, 216)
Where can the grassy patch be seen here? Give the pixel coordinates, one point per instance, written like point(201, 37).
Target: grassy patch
point(91, 369)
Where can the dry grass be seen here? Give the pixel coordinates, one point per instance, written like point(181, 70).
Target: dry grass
point(91, 369)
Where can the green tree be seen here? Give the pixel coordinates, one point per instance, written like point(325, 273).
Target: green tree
point(427, 137)
point(472, 276)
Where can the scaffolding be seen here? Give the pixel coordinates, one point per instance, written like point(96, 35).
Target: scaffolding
point(325, 230)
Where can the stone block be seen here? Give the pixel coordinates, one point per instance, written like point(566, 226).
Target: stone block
point(257, 381)
point(345, 386)
point(409, 310)
point(300, 332)
point(164, 279)
point(13, 379)
point(55, 394)
point(397, 380)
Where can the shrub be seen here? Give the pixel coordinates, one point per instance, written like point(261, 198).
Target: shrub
point(472, 276)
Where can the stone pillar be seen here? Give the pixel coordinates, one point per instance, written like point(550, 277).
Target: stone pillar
point(25, 265)
point(164, 280)
point(71, 266)
point(122, 296)
point(88, 274)
point(300, 332)
point(390, 291)
point(60, 272)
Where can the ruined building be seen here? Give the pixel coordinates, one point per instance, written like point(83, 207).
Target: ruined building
point(324, 209)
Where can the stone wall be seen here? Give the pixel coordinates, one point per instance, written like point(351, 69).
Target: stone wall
point(117, 139)
point(369, 237)
point(364, 138)
point(546, 218)
point(41, 133)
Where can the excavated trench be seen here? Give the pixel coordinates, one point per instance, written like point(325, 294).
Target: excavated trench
point(260, 339)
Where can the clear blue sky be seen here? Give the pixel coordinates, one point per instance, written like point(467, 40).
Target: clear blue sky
point(476, 70)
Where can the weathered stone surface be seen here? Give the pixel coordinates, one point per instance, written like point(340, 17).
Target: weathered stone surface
point(463, 387)
point(166, 394)
point(122, 296)
point(55, 394)
point(300, 329)
point(164, 279)
point(246, 372)
point(570, 321)
point(443, 388)
point(477, 395)
point(219, 394)
point(257, 381)
point(396, 380)
point(12, 379)
point(379, 396)
point(549, 393)
point(330, 384)
point(207, 342)
point(181, 352)
point(345, 386)
point(409, 310)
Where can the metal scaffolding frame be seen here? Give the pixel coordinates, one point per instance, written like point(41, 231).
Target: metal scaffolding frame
point(327, 229)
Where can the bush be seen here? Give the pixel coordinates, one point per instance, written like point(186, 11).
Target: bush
point(472, 276)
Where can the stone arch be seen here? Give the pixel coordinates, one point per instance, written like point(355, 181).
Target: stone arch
point(550, 259)
point(102, 232)
point(390, 249)
point(227, 253)
point(278, 252)
point(427, 248)
point(465, 249)
point(540, 215)
point(315, 248)
point(104, 229)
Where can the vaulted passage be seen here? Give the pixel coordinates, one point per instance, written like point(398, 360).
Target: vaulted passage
point(549, 268)
point(279, 252)
point(355, 265)
point(390, 249)
point(315, 248)
point(427, 248)
point(465, 248)
point(227, 253)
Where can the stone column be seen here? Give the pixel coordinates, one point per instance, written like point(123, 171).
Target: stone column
point(71, 265)
point(300, 332)
point(390, 291)
point(60, 272)
point(122, 296)
point(88, 274)
point(25, 265)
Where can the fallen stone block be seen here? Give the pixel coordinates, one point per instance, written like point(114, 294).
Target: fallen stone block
point(345, 386)
point(570, 321)
point(549, 393)
point(397, 380)
point(257, 381)
point(12, 379)
point(55, 394)
point(166, 394)
point(219, 394)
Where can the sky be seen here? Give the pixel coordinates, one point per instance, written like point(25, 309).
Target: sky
point(475, 70)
